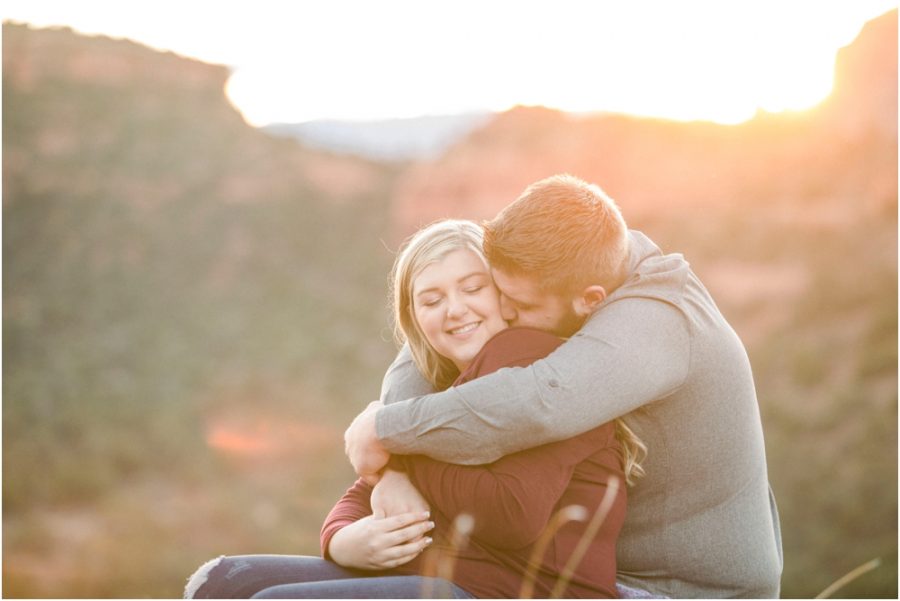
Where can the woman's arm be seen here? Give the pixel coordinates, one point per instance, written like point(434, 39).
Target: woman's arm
point(352, 537)
point(512, 499)
point(353, 506)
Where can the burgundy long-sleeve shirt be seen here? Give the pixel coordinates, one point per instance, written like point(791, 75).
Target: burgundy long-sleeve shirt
point(513, 499)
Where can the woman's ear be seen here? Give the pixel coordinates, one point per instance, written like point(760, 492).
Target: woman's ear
point(589, 299)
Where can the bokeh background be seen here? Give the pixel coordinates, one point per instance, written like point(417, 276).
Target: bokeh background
point(194, 308)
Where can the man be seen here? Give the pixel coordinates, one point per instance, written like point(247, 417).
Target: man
point(647, 342)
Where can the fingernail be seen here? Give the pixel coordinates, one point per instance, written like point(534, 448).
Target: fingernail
point(426, 514)
point(430, 525)
point(427, 540)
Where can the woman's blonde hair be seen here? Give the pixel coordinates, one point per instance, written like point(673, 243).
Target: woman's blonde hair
point(427, 246)
point(633, 451)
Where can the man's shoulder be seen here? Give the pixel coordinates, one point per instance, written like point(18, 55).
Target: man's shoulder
point(652, 273)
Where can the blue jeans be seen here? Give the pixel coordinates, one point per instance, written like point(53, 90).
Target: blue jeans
point(300, 577)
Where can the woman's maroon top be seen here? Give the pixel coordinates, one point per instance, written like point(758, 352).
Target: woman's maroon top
point(512, 499)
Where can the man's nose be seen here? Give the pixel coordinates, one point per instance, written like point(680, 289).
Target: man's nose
point(507, 311)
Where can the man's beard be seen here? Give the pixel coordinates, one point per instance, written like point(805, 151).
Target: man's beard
point(569, 323)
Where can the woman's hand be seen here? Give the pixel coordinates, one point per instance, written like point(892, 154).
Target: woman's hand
point(377, 543)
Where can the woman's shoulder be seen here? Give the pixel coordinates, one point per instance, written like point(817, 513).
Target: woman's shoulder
point(518, 346)
point(527, 334)
point(523, 342)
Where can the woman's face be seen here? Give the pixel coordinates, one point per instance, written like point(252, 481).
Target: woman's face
point(457, 306)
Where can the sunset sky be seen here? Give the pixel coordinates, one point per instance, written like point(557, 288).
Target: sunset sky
point(689, 59)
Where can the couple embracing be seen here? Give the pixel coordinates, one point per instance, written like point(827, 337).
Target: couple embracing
point(553, 361)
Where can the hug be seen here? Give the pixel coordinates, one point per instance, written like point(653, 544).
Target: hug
point(569, 415)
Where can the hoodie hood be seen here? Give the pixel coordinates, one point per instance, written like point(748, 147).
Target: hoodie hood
point(652, 274)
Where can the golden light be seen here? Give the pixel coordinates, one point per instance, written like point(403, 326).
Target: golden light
point(359, 60)
point(715, 61)
point(711, 61)
point(250, 436)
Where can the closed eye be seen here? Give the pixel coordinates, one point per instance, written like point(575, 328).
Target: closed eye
point(519, 305)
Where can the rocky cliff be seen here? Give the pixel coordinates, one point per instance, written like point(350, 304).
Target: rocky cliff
point(845, 146)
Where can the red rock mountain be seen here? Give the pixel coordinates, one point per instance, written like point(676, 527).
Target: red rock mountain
point(845, 146)
point(76, 102)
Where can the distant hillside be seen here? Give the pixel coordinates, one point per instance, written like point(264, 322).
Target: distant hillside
point(846, 145)
point(150, 105)
point(387, 140)
point(168, 269)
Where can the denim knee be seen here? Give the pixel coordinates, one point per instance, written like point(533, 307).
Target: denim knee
point(215, 579)
point(200, 577)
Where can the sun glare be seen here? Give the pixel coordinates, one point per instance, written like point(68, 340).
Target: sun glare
point(738, 60)
point(659, 61)
point(688, 60)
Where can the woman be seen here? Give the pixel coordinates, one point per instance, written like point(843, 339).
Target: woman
point(447, 308)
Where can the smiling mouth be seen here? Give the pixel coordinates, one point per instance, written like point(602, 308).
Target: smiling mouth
point(466, 328)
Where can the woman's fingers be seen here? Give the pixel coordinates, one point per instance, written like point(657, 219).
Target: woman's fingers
point(393, 563)
point(411, 549)
point(401, 528)
point(400, 538)
point(403, 520)
point(401, 554)
point(409, 533)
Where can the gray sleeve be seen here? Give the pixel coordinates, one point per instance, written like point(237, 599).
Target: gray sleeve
point(403, 379)
point(630, 353)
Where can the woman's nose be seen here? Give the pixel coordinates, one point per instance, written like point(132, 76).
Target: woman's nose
point(456, 308)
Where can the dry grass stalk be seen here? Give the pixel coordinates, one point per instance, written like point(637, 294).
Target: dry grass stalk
point(566, 514)
point(446, 562)
point(849, 577)
point(609, 497)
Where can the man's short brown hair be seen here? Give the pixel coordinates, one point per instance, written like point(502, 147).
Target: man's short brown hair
point(562, 231)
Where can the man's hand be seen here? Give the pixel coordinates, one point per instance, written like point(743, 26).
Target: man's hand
point(376, 542)
point(365, 451)
point(395, 494)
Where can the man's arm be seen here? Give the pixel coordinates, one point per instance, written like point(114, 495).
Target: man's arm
point(632, 352)
point(403, 380)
